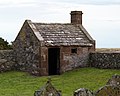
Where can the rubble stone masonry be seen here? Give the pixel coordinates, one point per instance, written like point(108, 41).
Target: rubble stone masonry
point(7, 60)
point(106, 60)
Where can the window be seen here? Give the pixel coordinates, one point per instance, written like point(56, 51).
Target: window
point(74, 50)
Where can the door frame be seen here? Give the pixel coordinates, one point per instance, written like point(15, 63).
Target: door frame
point(55, 59)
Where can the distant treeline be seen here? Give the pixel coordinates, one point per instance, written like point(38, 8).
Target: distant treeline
point(4, 45)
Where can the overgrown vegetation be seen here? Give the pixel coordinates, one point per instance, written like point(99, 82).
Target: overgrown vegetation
point(4, 45)
point(22, 84)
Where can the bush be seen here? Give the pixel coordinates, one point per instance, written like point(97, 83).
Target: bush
point(4, 45)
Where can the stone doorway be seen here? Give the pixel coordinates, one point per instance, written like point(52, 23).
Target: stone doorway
point(53, 61)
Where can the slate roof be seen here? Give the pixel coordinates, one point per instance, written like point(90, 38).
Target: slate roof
point(57, 34)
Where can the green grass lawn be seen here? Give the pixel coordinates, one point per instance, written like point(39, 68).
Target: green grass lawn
point(22, 84)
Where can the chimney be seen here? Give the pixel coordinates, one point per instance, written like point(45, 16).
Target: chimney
point(76, 17)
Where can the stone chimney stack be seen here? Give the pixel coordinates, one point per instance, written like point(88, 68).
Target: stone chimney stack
point(76, 17)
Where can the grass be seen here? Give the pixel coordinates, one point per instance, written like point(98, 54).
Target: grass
point(107, 49)
point(22, 84)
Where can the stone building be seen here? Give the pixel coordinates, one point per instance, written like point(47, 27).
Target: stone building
point(53, 48)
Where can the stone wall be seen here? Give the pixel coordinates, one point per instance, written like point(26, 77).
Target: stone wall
point(75, 61)
point(70, 61)
point(26, 47)
point(7, 60)
point(105, 60)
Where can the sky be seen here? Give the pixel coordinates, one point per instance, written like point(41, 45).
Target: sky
point(101, 18)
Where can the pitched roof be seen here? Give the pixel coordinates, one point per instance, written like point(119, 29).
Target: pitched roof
point(57, 34)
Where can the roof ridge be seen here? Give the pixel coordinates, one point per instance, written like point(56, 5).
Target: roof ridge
point(53, 23)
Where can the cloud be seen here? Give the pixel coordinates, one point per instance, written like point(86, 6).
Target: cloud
point(64, 3)
point(91, 2)
point(17, 3)
point(102, 21)
point(103, 2)
point(112, 20)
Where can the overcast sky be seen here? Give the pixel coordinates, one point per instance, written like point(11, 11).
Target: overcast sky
point(101, 18)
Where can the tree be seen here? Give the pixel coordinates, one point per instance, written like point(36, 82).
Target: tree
point(4, 45)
